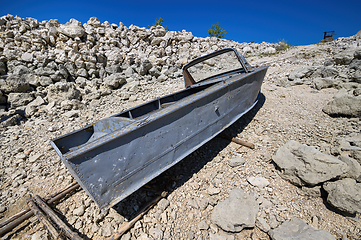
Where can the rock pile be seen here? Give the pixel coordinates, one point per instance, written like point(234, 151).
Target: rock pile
point(306, 166)
point(56, 78)
point(46, 59)
point(342, 71)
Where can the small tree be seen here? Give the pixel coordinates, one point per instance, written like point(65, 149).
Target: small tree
point(216, 31)
point(159, 22)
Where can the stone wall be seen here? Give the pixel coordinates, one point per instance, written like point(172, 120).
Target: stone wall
point(93, 57)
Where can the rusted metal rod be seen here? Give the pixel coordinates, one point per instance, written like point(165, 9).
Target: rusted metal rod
point(42, 218)
point(20, 217)
point(239, 141)
point(67, 231)
point(126, 226)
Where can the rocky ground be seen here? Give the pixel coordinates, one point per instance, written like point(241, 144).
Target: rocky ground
point(304, 173)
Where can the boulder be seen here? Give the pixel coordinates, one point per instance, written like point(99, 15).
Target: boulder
point(344, 106)
point(72, 29)
point(355, 64)
point(7, 121)
point(302, 72)
point(158, 31)
point(325, 72)
point(94, 21)
point(236, 212)
point(357, 53)
point(344, 195)
point(27, 57)
point(19, 99)
point(15, 83)
point(38, 101)
point(269, 50)
point(247, 49)
point(114, 81)
point(296, 229)
point(303, 165)
point(60, 91)
point(321, 83)
point(354, 166)
point(45, 81)
point(345, 57)
point(20, 70)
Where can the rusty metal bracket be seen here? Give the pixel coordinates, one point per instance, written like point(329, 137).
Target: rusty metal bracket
point(328, 34)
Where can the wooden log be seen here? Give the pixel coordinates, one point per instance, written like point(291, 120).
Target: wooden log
point(243, 143)
point(43, 219)
point(9, 224)
point(67, 231)
point(238, 141)
point(126, 226)
point(16, 216)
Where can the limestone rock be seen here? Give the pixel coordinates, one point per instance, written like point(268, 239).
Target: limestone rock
point(324, 72)
point(235, 162)
point(223, 236)
point(79, 211)
point(63, 91)
point(345, 57)
point(344, 195)
point(72, 29)
point(345, 106)
point(354, 166)
point(269, 50)
point(262, 224)
point(38, 101)
point(302, 72)
point(305, 165)
point(114, 81)
point(19, 99)
point(156, 233)
point(15, 83)
point(260, 182)
point(296, 229)
point(321, 83)
point(238, 211)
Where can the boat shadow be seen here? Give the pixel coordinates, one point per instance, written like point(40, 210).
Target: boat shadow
point(179, 174)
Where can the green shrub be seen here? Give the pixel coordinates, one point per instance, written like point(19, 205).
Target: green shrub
point(216, 31)
point(282, 45)
point(159, 22)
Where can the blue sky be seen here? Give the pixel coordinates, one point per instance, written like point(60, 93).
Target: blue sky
point(297, 22)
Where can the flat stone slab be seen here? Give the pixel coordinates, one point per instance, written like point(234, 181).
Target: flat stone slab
point(260, 182)
point(236, 212)
point(296, 229)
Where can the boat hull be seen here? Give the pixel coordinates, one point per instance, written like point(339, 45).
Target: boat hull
point(115, 165)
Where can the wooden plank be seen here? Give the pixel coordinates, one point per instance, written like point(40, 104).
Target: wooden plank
point(43, 219)
point(67, 231)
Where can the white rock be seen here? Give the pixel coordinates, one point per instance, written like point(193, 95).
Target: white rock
point(260, 182)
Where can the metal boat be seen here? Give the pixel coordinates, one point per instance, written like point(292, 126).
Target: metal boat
point(115, 156)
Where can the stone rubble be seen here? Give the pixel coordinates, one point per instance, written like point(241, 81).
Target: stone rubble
point(56, 78)
point(296, 229)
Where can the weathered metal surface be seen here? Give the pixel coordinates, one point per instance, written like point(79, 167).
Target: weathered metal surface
point(116, 156)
